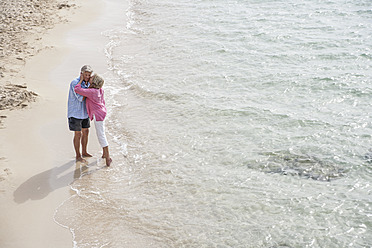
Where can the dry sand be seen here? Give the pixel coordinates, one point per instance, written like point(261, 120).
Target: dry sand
point(36, 153)
point(22, 26)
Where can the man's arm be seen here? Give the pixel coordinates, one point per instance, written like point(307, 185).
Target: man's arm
point(79, 97)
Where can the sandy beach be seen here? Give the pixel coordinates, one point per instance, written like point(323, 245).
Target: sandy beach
point(36, 155)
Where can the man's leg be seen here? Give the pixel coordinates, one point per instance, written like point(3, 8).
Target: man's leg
point(84, 142)
point(76, 141)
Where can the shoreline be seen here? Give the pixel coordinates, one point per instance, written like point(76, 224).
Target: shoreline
point(37, 162)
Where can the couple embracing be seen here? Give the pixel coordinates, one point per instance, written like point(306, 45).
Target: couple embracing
point(85, 103)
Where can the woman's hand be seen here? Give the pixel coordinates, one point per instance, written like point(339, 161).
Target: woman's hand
point(81, 78)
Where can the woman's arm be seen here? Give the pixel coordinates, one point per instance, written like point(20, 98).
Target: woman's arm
point(90, 92)
point(79, 97)
point(81, 80)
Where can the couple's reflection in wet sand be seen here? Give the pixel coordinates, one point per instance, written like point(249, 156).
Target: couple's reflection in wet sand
point(42, 184)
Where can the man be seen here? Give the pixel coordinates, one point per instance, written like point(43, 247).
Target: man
point(78, 119)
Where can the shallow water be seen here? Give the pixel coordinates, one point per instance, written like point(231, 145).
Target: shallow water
point(233, 124)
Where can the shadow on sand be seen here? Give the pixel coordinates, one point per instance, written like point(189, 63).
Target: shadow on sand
point(42, 184)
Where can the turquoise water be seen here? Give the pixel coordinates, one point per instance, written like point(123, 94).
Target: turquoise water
point(234, 124)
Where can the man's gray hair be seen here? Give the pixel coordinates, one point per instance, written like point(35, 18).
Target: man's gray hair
point(87, 68)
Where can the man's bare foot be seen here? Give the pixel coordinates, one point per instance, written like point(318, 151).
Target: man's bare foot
point(80, 159)
point(87, 155)
point(108, 161)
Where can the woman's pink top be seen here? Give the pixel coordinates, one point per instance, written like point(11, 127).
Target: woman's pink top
point(95, 102)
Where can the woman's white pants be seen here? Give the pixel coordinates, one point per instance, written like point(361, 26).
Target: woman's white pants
point(100, 131)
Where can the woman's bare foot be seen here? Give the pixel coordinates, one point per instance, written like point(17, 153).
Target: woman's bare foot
point(108, 161)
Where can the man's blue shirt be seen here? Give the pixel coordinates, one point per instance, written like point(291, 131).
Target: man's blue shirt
point(76, 105)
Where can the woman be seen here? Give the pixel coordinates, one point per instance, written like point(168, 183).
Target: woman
point(96, 110)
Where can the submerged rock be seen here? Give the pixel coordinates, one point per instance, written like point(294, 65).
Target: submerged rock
point(305, 166)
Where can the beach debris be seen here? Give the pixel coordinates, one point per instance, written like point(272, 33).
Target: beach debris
point(65, 5)
point(15, 96)
point(4, 173)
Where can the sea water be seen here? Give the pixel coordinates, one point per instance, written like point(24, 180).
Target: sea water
point(233, 123)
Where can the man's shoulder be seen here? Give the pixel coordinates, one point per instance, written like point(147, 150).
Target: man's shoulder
point(75, 82)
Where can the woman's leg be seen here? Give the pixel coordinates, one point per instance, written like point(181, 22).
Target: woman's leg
point(106, 154)
point(100, 131)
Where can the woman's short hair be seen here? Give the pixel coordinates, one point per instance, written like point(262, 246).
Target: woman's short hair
point(97, 81)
